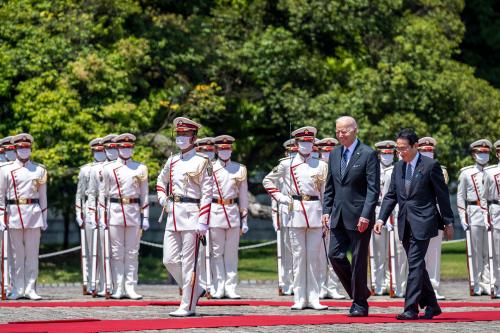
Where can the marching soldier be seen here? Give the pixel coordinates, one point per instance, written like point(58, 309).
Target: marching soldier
point(184, 189)
point(491, 195)
point(81, 211)
point(280, 218)
point(206, 146)
point(329, 281)
point(104, 153)
point(23, 193)
point(228, 217)
point(306, 178)
point(473, 213)
point(426, 147)
point(124, 187)
point(379, 244)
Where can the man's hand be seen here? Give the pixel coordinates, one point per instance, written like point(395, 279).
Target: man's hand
point(325, 219)
point(448, 231)
point(145, 223)
point(201, 229)
point(363, 224)
point(378, 227)
point(79, 220)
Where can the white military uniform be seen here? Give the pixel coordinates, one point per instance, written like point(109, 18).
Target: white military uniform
point(226, 218)
point(124, 187)
point(23, 191)
point(189, 176)
point(308, 180)
point(473, 213)
point(491, 195)
point(400, 254)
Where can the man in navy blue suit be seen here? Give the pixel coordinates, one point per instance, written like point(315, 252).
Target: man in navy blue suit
point(418, 187)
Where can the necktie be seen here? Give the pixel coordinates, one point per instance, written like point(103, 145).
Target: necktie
point(343, 163)
point(408, 178)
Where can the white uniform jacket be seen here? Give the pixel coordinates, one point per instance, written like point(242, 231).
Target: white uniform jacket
point(124, 191)
point(491, 193)
point(187, 175)
point(308, 178)
point(94, 209)
point(469, 196)
point(230, 182)
point(81, 191)
point(20, 183)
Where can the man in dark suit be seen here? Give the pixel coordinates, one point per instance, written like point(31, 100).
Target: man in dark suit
point(418, 186)
point(351, 194)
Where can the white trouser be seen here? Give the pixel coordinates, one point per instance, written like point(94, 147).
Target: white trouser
point(178, 258)
point(88, 242)
point(380, 270)
point(306, 245)
point(99, 270)
point(286, 260)
point(225, 259)
point(401, 266)
point(433, 259)
point(125, 243)
point(202, 276)
point(329, 281)
point(25, 244)
point(496, 258)
point(480, 265)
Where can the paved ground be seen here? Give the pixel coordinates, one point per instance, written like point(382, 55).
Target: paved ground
point(455, 291)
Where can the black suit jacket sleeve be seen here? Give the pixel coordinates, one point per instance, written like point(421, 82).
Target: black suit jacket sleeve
point(442, 194)
point(329, 195)
point(373, 186)
point(390, 199)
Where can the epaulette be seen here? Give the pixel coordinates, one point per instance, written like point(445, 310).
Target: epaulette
point(491, 167)
point(87, 164)
point(202, 155)
point(6, 163)
point(108, 162)
point(40, 165)
point(467, 167)
point(284, 158)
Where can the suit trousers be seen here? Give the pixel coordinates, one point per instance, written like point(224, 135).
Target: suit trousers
point(419, 289)
point(178, 258)
point(25, 244)
point(353, 277)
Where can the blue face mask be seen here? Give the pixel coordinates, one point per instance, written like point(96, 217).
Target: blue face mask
point(111, 154)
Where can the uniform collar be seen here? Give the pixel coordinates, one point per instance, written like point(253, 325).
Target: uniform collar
point(479, 166)
point(224, 163)
point(187, 155)
point(123, 161)
point(301, 158)
point(21, 164)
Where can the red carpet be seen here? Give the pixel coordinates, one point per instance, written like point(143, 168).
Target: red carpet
point(107, 303)
point(92, 325)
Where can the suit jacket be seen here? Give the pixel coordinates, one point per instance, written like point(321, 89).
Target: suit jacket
point(356, 194)
point(420, 207)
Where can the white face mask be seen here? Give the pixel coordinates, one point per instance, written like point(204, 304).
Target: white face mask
point(100, 156)
point(429, 154)
point(482, 158)
point(125, 153)
point(24, 153)
point(210, 154)
point(325, 156)
point(386, 159)
point(111, 154)
point(305, 148)
point(10, 155)
point(224, 154)
point(183, 142)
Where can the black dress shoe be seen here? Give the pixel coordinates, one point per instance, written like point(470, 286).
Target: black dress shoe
point(407, 315)
point(431, 312)
point(358, 313)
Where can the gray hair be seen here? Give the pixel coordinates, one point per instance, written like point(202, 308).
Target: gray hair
point(347, 119)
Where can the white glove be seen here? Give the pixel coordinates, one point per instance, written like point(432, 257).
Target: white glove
point(102, 226)
point(389, 227)
point(284, 200)
point(275, 225)
point(201, 229)
point(464, 225)
point(145, 223)
point(45, 225)
point(244, 228)
point(2, 226)
point(79, 220)
point(485, 220)
point(163, 201)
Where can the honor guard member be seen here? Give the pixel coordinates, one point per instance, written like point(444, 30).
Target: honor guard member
point(81, 210)
point(306, 178)
point(23, 191)
point(281, 218)
point(3, 159)
point(125, 188)
point(9, 150)
point(426, 147)
point(228, 217)
point(379, 244)
point(473, 213)
point(491, 195)
point(104, 153)
point(184, 189)
point(329, 281)
point(206, 146)
point(316, 153)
